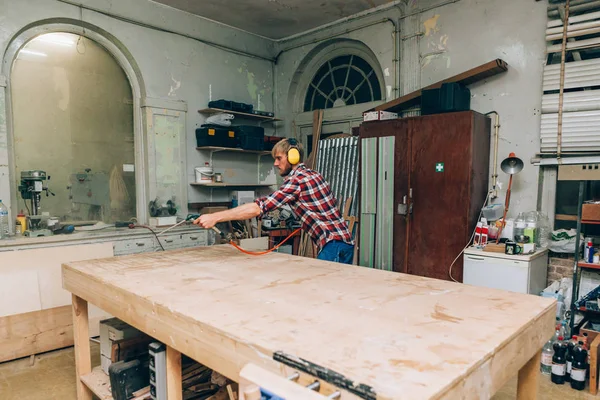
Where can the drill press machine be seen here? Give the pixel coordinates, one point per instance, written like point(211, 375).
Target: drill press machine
point(31, 188)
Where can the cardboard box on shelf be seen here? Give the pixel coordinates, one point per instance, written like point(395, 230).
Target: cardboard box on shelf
point(378, 115)
point(590, 212)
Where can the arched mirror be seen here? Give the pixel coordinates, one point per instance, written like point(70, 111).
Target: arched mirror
point(73, 119)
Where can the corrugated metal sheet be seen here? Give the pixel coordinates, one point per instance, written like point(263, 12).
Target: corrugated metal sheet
point(573, 101)
point(338, 163)
point(580, 131)
point(578, 74)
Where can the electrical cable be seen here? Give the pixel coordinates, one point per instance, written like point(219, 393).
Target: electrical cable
point(151, 230)
point(470, 240)
point(260, 253)
point(26, 206)
point(231, 242)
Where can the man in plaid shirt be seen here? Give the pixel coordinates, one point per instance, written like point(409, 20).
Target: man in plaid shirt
point(309, 196)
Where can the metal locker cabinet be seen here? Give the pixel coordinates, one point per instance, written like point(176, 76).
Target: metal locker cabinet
point(368, 201)
point(382, 144)
point(384, 251)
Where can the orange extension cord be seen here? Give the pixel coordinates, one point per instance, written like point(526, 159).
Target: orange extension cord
point(260, 253)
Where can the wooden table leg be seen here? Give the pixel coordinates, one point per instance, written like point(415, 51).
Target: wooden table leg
point(295, 244)
point(174, 388)
point(528, 378)
point(81, 336)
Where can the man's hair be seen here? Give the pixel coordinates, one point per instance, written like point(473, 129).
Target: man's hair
point(283, 146)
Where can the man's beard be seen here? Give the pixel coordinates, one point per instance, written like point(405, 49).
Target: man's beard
point(286, 172)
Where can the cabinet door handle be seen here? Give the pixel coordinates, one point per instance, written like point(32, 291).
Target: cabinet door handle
point(193, 237)
point(140, 244)
point(169, 240)
point(476, 258)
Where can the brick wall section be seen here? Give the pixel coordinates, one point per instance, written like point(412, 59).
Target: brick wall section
point(559, 267)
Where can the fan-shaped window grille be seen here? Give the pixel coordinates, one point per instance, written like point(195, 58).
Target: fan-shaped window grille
point(342, 81)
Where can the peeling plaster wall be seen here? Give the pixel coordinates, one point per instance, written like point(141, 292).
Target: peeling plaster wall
point(456, 37)
point(173, 67)
point(463, 35)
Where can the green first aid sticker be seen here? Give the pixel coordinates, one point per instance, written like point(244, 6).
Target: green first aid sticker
point(439, 167)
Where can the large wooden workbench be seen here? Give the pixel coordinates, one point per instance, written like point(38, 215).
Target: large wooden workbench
point(369, 333)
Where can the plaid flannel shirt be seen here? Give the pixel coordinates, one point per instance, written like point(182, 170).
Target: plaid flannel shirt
point(310, 197)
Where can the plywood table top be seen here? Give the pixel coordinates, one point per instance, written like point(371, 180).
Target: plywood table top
point(404, 336)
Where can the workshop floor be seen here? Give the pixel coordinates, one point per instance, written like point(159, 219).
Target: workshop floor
point(52, 378)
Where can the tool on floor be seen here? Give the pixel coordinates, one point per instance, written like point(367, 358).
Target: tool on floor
point(511, 166)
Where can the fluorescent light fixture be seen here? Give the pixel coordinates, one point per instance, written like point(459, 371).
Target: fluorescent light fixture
point(61, 39)
point(33, 53)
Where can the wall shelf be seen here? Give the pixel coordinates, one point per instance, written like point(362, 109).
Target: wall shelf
point(224, 185)
point(237, 114)
point(215, 149)
point(588, 265)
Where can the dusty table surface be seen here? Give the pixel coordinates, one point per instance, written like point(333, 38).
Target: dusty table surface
point(398, 335)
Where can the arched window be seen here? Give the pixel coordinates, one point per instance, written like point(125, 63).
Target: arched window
point(342, 81)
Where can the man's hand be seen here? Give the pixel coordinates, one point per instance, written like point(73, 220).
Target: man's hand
point(206, 221)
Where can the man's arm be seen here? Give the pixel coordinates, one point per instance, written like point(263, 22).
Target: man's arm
point(288, 192)
point(243, 212)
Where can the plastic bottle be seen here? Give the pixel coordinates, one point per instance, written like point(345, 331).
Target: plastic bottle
point(579, 367)
point(3, 221)
point(520, 226)
point(586, 249)
point(559, 362)
point(564, 329)
point(547, 354)
point(570, 346)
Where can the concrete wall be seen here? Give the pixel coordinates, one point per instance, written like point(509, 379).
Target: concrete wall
point(444, 41)
point(171, 67)
point(462, 35)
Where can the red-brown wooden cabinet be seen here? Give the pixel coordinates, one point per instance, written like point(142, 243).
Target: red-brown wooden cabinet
point(423, 181)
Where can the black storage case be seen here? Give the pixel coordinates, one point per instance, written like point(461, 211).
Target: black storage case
point(218, 136)
point(251, 137)
point(451, 97)
point(128, 377)
point(231, 106)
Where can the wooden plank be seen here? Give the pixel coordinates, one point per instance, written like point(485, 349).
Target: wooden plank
point(527, 386)
point(35, 332)
point(565, 217)
point(174, 389)
point(81, 335)
point(99, 383)
point(594, 365)
point(471, 76)
point(255, 317)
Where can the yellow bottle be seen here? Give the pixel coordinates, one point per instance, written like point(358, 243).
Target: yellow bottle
point(22, 221)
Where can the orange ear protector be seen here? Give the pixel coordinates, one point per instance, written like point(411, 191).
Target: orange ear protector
point(293, 154)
